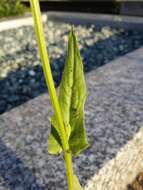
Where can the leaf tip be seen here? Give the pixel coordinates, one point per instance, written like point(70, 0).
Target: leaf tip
point(72, 28)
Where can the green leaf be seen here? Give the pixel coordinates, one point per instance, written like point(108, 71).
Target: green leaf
point(72, 95)
point(54, 146)
point(54, 141)
point(78, 140)
point(76, 184)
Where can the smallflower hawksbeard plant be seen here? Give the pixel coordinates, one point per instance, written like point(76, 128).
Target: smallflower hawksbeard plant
point(68, 134)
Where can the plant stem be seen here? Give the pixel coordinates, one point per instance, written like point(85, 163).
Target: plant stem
point(69, 169)
point(50, 85)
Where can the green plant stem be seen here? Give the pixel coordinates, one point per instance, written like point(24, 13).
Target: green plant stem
point(50, 84)
point(69, 169)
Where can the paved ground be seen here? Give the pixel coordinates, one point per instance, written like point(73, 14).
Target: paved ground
point(114, 113)
point(121, 171)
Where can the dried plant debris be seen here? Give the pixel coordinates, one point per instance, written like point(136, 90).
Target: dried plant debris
point(137, 183)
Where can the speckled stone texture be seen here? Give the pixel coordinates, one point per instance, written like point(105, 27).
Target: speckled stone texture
point(114, 114)
point(122, 170)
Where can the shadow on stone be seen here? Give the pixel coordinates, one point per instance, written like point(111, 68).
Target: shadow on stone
point(14, 173)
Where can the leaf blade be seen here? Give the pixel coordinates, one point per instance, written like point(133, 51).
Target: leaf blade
point(64, 100)
point(78, 140)
point(72, 96)
point(76, 184)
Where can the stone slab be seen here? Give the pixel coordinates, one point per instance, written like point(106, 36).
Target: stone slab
point(114, 114)
point(119, 172)
point(19, 22)
point(99, 20)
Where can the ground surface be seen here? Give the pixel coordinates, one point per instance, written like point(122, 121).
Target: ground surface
point(120, 171)
point(114, 113)
point(20, 69)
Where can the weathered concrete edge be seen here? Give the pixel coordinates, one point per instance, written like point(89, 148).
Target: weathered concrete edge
point(126, 22)
point(18, 22)
point(121, 170)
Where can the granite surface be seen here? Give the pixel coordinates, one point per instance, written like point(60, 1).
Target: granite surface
point(114, 114)
point(121, 171)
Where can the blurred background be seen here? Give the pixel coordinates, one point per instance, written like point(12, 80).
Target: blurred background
point(124, 7)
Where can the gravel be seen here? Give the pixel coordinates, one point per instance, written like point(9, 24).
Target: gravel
point(21, 76)
point(114, 113)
